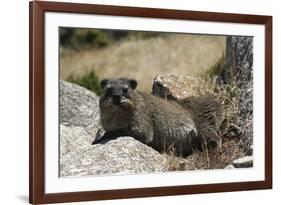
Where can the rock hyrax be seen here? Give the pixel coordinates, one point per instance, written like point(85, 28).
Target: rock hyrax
point(207, 114)
point(162, 124)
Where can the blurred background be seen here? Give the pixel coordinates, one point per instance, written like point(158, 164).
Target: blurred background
point(89, 55)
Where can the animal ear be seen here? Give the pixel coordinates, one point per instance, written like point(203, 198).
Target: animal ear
point(103, 83)
point(133, 83)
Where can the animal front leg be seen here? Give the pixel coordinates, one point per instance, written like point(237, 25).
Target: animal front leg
point(103, 136)
point(149, 136)
point(143, 134)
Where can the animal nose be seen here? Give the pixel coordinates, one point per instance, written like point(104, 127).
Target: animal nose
point(116, 99)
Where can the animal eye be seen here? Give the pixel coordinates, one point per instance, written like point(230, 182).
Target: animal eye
point(125, 90)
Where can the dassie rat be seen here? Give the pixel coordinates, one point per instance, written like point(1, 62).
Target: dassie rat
point(207, 114)
point(163, 125)
point(210, 121)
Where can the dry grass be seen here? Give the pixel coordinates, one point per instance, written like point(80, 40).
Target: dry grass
point(231, 150)
point(144, 59)
point(227, 95)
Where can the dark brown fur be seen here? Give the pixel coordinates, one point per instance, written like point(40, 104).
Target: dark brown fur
point(159, 123)
point(207, 114)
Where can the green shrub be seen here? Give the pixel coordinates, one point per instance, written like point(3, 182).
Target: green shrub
point(83, 38)
point(90, 37)
point(79, 38)
point(136, 35)
point(89, 81)
point(232, 90)
point(216, 69)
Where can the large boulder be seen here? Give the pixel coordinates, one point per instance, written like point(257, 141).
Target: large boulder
point(73, 137)
point(239, 60)
point(78, 106)
point(123, 155)
point(239, 69)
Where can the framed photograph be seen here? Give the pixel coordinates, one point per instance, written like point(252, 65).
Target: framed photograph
point(139, 102)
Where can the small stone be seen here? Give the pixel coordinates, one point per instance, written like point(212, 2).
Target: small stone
point(243, 162)
point(230, 167)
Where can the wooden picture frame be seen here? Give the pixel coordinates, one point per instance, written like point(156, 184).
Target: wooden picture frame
point(37, 11)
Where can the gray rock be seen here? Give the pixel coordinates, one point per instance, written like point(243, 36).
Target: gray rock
point(73, 137)
point(78, 106)
point(175, 87)
point(243, 162)
point(230, 167)
point(239, 60)
point(239, 69)
point(123, 155)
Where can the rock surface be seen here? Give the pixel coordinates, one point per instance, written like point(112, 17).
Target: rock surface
point(243, 162)
point(79, 122)
point(230, 167)
point(78, 106)
point(124, 155)
point(175, 87)
point(73, 137)
point(239, 69)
